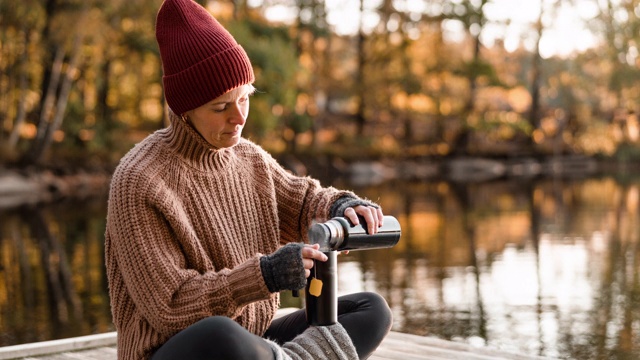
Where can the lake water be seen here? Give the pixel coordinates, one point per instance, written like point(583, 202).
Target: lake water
point(547, 267)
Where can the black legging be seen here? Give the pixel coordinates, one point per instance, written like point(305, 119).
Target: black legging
point(365, 316)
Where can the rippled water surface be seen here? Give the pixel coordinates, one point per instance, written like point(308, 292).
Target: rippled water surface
point(544, 268)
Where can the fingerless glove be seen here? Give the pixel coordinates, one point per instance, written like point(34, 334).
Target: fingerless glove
point(344, 202)
point(283, 270)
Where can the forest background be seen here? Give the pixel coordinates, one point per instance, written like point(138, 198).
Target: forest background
point(80, 82)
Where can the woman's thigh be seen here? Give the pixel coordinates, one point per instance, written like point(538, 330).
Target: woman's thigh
point(215, 337)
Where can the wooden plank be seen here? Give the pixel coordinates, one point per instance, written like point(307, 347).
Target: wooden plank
point(67, 348)
point(407, 348)
point(411, 340)
point(58, 346)
point(395, 346)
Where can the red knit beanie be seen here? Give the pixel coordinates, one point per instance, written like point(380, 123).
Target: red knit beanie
point(200, 58)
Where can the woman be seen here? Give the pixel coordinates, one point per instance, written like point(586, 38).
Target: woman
point(204, 227)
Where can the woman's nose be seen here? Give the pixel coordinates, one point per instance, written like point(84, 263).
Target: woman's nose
point(238, 115)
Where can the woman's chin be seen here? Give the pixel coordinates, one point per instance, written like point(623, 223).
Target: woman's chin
point(227, 143)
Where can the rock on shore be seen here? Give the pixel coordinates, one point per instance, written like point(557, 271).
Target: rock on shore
point(19, 187)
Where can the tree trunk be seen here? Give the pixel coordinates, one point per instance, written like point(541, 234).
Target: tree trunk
point(47, 107)
point(534, 114)
point(49, 81)
point(63, 99)
point(360, 86)
point(55, 103)
point(462, 139)
point(103, 111)
point(22, 112)
point(473, 77)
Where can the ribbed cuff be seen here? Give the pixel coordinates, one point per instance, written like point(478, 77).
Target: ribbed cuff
point(244, 282)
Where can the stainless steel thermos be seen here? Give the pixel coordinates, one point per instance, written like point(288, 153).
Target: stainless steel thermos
point(338, 234)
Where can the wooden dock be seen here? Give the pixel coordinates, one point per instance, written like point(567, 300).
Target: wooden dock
point(396, 346)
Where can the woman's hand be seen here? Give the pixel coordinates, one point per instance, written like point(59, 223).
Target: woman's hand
point(310, 253)
point(372, 216)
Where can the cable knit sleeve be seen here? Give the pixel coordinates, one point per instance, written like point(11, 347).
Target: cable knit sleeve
point(148, 237)
point(301, 200)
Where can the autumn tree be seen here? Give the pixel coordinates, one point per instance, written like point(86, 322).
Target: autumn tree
point(72, 72)
point(471, 15)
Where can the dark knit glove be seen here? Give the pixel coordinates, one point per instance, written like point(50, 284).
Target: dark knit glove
point(283, 270)
point(345, 202)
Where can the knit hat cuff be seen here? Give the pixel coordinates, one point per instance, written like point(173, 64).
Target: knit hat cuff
point(208, 79)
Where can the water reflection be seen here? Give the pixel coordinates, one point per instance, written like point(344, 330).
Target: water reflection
point(52, 279)
point(546, 268)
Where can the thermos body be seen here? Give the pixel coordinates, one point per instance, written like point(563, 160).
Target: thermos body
point(322, 307)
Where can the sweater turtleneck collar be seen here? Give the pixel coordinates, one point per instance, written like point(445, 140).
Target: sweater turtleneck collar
point(185, 141)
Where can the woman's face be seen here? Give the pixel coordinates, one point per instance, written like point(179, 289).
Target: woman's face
point(220, 121)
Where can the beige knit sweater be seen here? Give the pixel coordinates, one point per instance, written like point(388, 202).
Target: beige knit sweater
point(186, 227)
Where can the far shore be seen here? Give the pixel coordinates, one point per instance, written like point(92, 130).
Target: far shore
point(24, 187)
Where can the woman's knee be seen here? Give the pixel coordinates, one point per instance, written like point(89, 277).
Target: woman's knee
point(216, 334)
point(226, 335)
point(372, 304)
point(380, 308)
point(365, 310)
point(376, 300)
point(217, 327)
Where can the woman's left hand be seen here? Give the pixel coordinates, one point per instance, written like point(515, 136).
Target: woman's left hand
point(372, 216)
